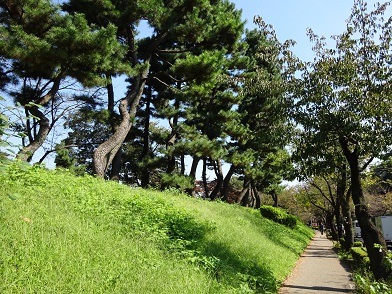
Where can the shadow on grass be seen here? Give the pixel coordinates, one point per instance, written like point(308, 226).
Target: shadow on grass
point(275, 235)
point(236, 272)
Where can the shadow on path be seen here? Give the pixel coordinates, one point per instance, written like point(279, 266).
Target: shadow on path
point(318, 289)
point(319, 270)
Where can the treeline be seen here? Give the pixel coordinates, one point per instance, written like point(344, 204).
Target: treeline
point(201, 91)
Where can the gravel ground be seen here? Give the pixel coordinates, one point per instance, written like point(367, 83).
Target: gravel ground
point(319, 270)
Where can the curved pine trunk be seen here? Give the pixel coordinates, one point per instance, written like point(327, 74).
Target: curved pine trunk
point(105, 153)
point(226, 183)
point(27, 152)
point(219, 181)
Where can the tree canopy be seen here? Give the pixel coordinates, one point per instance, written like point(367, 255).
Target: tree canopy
point(342, 105)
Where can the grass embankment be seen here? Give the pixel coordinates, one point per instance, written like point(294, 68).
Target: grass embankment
point(63, 234)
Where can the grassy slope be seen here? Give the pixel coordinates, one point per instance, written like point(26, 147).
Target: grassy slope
point(62, 234)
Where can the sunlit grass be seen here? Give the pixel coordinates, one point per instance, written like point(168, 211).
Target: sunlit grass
point(61, 234)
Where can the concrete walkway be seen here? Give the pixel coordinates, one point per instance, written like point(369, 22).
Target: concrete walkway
point(319, 270)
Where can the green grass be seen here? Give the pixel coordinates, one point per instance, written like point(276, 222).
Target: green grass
point(63, 234)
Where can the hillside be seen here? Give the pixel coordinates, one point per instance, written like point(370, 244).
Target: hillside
point(66, 234)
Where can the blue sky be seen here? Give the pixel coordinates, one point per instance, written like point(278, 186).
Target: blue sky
point(291, 18)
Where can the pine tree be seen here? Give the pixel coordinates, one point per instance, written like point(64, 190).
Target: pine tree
point(43, 48)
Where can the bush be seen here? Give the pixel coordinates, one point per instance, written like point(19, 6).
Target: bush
point(359, 254)
point(366, 284)
point(357, 244)
point(278, 215)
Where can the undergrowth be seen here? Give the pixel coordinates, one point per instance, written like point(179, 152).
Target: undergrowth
point(66, 234)
point(365, 282)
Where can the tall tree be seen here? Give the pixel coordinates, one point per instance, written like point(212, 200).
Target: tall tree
point(43, 47)
point(193, 26)
point(263, 110)
point(329, 165)
point(344, 100)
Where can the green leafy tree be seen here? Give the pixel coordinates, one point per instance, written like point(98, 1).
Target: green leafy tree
point(43, 48)
point(382, 174)
point(263, 114)
point(344, 100)
point(207, 111)
point(331, 166)
point(191, 26)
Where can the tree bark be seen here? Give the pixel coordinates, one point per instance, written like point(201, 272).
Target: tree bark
point(338, 218)
point(257, 196)
point(226, 183)
point(192, 175)
point(117, 160)
point(105, 153)
point(372, 237)
point(275, 198)
point(27, 152)
point(116, 166)
point(243, 197)
point(345, 206)
point(145, 174)
point(204, 179)
point(219, 180)
point(36, 140)
point(329, 224)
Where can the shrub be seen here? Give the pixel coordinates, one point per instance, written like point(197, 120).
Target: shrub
point(278, 215)
point(359, 254)
point(366, 284)
point(342, 242)
point(357, 244)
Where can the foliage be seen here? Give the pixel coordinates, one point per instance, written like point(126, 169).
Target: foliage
point(222, 96)
point(47, 51)
point(278, 215)
point(365, 284)
point(176, 181)
point(341, 104)
point(378, 186)
point(364, 279)
point(360, 255)
point(61, 233)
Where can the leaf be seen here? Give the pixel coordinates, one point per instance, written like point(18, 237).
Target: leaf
point(14, 197)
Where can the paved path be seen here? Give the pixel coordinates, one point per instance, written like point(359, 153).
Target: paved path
point(319, 270)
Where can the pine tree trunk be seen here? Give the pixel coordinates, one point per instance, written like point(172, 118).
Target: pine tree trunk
point(243, 192)
point(219, 181)
point(27, 152)
point(116, 166)
point(105, 153)
point(257, 196)
point(226, 183)
point(275, 197)
point(192, 175)
point(145, 174)
point(204, 179)
point(117, 161)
